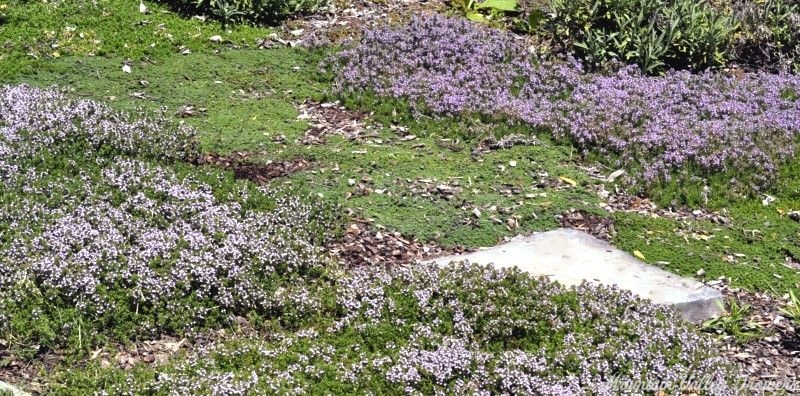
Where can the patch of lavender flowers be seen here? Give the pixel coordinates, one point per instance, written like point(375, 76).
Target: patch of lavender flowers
point(462, 329)
point(33, 120)
point(662, 126)
point(748, 125)
point(88, 226)
point(154, 240)
point(450, 65)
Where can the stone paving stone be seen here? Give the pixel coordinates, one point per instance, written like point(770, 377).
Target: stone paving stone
point(570, 256)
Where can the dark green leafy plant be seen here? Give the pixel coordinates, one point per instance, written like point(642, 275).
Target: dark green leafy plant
point(656, 35)
point(227, 12)
point(699, 34)
point(769, 35)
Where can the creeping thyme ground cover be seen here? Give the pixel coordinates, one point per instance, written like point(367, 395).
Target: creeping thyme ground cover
point(101, 243)
point(676, 127)
point(461, 329)
point(93, 234)
point(110, 241)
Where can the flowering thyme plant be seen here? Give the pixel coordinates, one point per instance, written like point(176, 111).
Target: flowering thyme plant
point(98, 245)
point(665, 128)
point(90, 235)
point(35, 120)
point(460, 329)
point(669, 124)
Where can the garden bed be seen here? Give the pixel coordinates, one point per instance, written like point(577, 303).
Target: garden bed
point(199, 209)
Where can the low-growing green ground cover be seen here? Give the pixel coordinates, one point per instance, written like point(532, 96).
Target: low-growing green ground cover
point(239, 99)
point(255, 104)
point(33, 33)
point(101, 247)
point(246, 100)
point(249, 99)
point(459, 329)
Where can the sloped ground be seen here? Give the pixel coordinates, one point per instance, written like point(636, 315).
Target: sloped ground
point(411, 186)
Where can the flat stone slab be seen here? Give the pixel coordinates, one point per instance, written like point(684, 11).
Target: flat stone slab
point(571, 256)
point(8, 388)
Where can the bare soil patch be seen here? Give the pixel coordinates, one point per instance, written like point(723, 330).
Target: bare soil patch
point(245, 168)
point(776, 355)
point(365, 243)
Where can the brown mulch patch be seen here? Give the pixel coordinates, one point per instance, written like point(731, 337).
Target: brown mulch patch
point(264, 172)
point(26, 375)
point(367, 244)
point(598, 226)
point(345, 20)
point(491, 143)
point(257, 172)
point(331, 119)
point(643, 206)
point(772, 357)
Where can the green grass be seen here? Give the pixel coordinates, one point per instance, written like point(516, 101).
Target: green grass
point(394, 167)
point(36, 32)
point(249, 98)
point(751, 259)
point(240, 98)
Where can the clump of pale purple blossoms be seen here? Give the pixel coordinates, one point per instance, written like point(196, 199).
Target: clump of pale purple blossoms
point(33, 120)
point(450, 65)
point(748, 124)
point(160, 239)
point(126, 234)
point(661, 126)
point(461, 329)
